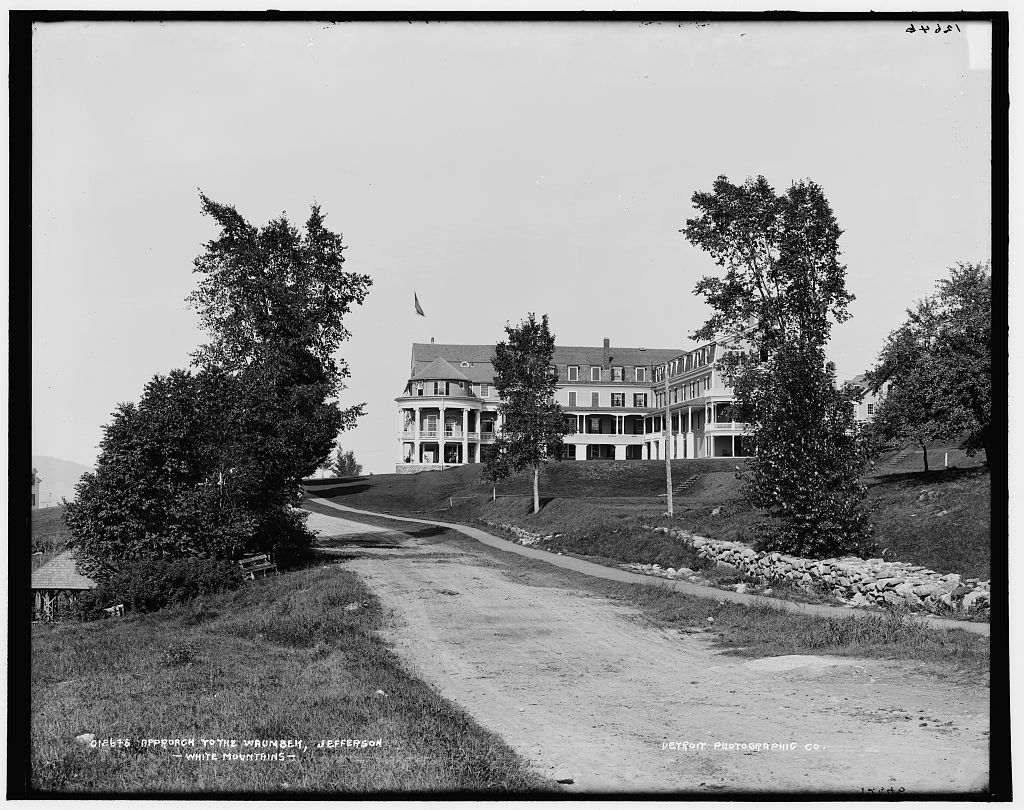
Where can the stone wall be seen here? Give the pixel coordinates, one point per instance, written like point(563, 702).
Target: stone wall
point(854, 581)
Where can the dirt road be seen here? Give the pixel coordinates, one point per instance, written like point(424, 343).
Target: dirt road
point(590, 692)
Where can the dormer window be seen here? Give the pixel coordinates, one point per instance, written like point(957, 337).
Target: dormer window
point(595, 374)
point(574, 373)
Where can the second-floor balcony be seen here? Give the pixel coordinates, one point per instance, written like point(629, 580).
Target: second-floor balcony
point(409, 434)
point(726, 427)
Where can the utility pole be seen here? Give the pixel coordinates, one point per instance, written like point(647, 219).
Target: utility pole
point(667, 430)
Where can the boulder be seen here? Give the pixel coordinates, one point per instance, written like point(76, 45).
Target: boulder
point(975, 599)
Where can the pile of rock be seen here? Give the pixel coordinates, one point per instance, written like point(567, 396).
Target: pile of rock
point(656, 570)
point(853, 580)
point(522, 536)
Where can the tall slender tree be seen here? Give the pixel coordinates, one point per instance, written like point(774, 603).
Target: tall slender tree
point(533, 422)
point(782, 287)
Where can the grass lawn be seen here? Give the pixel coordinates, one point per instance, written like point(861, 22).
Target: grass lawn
point(599, 508)
point(279, 659)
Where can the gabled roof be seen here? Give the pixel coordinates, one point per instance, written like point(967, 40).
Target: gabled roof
point(439, 369)
point(61, 573)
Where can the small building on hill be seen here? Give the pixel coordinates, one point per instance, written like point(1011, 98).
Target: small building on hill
point(57, 584)
point(36, 480)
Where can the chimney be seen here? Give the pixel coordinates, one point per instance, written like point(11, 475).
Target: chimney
point(607, 348)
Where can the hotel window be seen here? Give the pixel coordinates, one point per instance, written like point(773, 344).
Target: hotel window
point(618, 400)
point(485, 389)
point(595, 424)
point(639, 400)
point(574, 373)
point(617, 373)
point(572, 399)
point(640, 374)
point(440, 388)
point(675, 395)
point(871, 409)
point(595, 399)
point(595, 374)
point(419, 389)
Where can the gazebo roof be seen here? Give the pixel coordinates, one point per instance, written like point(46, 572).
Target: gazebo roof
point(61, 574)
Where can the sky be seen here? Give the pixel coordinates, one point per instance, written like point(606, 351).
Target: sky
point(495, 169)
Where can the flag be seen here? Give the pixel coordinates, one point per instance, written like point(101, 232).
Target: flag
point(416, 301)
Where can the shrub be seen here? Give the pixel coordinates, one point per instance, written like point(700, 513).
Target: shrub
point(90, 605)
point(147, 585)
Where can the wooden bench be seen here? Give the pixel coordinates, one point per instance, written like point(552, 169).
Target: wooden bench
point(258, 566)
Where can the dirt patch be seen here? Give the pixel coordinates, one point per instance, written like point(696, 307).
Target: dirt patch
point(576, 685)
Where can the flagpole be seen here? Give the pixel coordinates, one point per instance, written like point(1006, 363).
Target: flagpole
point(668, 441)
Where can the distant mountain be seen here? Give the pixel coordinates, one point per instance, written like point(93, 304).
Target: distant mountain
point(58, 478)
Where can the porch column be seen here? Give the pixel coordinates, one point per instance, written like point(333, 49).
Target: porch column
point(465, 435)
point(416, 456)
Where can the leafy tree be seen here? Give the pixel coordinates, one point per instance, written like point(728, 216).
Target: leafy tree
point(534, 423)
point(165, 484)
point(783, 285)
point(908, 410)
point(208, 464)
point(344, 464)
point(938, 366)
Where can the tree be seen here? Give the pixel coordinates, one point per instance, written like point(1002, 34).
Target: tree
point(344, 464)
point(210, 463)
point(164, 484)
point(533, 423)
point(937, 366)
point(908, 410)
point(782, 287)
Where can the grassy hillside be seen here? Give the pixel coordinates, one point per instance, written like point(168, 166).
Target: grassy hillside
point(599, 508)
point(292, 657)
point(49, 534)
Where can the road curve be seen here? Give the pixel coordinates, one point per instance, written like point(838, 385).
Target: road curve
point(603, 701)
point(619, 575)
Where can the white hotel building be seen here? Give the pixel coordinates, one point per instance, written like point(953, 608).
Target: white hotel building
point(449, 408)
